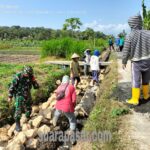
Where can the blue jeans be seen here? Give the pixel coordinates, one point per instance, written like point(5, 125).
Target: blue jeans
point(95, 76)
point(70, 115)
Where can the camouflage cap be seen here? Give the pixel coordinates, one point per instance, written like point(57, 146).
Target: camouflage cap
point(28, 70)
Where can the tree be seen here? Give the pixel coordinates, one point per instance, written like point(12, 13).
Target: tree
point(122, 34)
point(89, 33)
point(73, 24)
point(144, 9)
point(146, 16)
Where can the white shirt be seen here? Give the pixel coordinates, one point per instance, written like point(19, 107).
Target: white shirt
point(94, 63)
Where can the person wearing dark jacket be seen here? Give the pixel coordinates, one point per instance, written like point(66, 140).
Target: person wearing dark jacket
point(137, 48)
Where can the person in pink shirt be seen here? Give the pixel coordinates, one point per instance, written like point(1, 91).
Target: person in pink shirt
point(67, 104)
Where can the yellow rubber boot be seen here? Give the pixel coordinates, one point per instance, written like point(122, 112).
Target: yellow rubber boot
point(145, 89)
point(135, 96)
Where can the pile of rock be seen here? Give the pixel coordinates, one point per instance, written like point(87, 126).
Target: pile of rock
point(40, 123)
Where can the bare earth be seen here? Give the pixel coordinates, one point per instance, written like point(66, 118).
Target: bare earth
point(139, 120)
point(18, 58)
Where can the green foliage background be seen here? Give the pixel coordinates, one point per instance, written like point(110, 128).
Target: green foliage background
point(65, 47)
point(146, 16)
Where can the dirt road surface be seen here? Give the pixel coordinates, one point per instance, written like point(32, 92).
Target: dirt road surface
point(139, 120)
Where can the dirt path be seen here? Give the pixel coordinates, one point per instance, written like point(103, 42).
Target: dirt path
point(139, 120)
point(18, 58)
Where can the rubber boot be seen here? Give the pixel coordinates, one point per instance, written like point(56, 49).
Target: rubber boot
point(18, 127)
point(135, 96)
point(145, 89)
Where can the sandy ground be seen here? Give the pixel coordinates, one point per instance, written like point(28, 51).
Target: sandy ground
point(139, 120)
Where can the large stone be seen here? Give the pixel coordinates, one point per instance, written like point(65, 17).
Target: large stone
point(52, 98)
point(31, 133)
point(7, 126)
point(23, 120)
point(45, 105)
point(37, 121)
point(35, 109)
point(21, 138)
point(32, 143)
point(46, 113)
point(78, 91)
point(15, 146)
point(84, 86)
point(101, 77)
point(26, 126)
point(43, 130)
point(11, 130)
point(2, 148)
point(3, 135)
point(52, 104)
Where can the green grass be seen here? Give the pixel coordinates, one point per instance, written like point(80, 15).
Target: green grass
point(65, 47)
point(23, 47)
point(46, 76)
point(11, 44)
point(107, 113)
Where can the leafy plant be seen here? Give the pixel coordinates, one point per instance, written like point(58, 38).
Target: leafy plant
point(146, 16)
point(72, 23)
point(119, 111)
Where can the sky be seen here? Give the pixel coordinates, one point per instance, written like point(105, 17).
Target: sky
point(108, 16)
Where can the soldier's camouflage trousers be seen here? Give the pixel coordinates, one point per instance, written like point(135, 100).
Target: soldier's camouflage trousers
point(22, 105)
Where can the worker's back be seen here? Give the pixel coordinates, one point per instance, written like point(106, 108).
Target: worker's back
point(138, 41)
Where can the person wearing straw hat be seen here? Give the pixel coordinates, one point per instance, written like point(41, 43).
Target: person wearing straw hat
point(75, 70)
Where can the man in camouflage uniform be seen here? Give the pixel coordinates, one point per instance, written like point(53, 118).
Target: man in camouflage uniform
point(20, 89)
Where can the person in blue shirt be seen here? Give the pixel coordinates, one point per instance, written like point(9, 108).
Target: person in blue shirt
point(121, 44)
point(111, 44)
point(117, 43)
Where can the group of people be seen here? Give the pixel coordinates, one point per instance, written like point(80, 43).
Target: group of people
point(137, 48)
point(91, 62)
point(22, 83)
point(119, 43)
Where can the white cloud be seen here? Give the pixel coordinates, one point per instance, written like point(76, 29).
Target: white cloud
point(9, 6)
point(114, 29)
point(14, 9)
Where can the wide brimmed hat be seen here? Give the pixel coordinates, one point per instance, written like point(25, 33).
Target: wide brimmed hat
point(75, 56)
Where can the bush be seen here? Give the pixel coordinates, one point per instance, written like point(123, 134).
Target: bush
point(119, 111)
point(65, 47)
point(5, 46)
point(101, 43)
